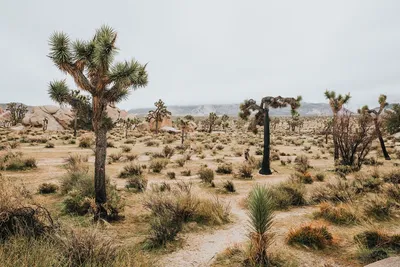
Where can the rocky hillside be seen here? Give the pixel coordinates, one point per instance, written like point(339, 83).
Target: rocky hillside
point(307, 109)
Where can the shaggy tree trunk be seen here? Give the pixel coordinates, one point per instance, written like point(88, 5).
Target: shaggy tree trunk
point(75, 123)
point(183, 136)
point(156, 126)
point(100, 158)
point(265, 167)
point(210, 129)
point(126, 133)
point(335, 144)
point(379, 133)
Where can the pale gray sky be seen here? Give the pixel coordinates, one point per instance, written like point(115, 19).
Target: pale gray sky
point(215, 51)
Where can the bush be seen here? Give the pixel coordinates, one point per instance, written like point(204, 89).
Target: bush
point(47, 188)
point(86, 142)
point(181, 162)
point(392, 177)
point(168, 152)
point(206, 175)
point(229, 186)
point(341, 214)
point(309, 235)
point(225, 168)
point(49, 145)
point(157, 165)
point(288, 194)
point(152, 143)
point(171, 175)
point(372, 239)
point(131, 170)
point(115, 157)
point(320, 177)
point(16, 162)
point(126, 149)
point(76, 163)
point(186, 172)
point(137, 182)
point(302, 164)
point(245, 171)
point(131, 157)
point(110, 144)
point(379, 208)
point(341, 191)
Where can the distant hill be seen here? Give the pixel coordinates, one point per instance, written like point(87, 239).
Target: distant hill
point(306, 109)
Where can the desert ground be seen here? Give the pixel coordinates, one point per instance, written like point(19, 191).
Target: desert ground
point(217, 231)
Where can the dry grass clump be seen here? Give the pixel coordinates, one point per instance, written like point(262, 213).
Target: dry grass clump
point(341, 214)
point(18, 215)
point(392, 177)
point(288, 194)
point(170, 209)
point(114, 157)
point(76, 163)
point(181, 161)
point(206, 175)
point(158, 164)
point(86, 142)
point(131, 170)
point(339, 191)
point(380, 208)
point(126, 149)
point(312, 235)
point(229, 186)
point(47, 188)
point(225, 168)
point(16, 162)
point(245, 171)
point(137, 183)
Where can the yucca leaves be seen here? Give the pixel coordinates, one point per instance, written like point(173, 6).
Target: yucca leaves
point(59, 91)
point(60, 51)
point(261, 210)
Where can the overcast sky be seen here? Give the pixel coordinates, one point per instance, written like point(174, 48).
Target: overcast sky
point(215, 51)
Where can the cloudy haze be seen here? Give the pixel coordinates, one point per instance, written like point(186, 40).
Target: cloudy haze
point(215, 51)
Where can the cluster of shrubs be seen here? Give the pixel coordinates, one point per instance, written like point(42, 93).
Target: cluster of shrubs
point(16, 162)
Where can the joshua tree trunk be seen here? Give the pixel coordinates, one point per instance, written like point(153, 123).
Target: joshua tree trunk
point(210, 129)
point(126, 133)
point(335, 144)
point(100, 157)
point(265, 167)
point(75, 123)
point(156, 126)
point(183, 136)
point(379, 133)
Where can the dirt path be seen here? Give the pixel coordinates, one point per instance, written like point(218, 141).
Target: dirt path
point(200, 250)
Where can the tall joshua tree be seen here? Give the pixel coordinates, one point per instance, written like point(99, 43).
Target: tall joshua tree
point(225, 122)
point(336, 103)
point(262, 118)
point(184, 125)
point(59, 92)
point(375, 114)
point(158, 114)
point(128, 123)
point(91, 65)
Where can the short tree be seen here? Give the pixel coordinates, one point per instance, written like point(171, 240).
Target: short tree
point(158, 114)
point(336, 103)
point(17, 112)
point(262, 118)
point(210, 122)
point(184, 126)
point(224, 121)
point(91, 65)
point(129, 124)
point(392, 119)
point(376, 116)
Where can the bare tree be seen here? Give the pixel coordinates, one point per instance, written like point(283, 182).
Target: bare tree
point(17, 112)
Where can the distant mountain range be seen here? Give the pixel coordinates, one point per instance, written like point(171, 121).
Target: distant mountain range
point(306, 109)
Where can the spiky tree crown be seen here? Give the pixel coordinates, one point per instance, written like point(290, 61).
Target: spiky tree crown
point(159, 113)
point(336, 103)
point(91, 64)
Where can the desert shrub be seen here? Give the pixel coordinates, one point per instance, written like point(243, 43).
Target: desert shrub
point(288, 194)
point(392, 177)
point(393, 192)
point(49, 145)
point(320, 177)
point(259, 152)
point(157, 165)
point(229, 186)
point(76, 163)
point(372, 239)
point(137, 183)
point(362, 184)
point(131, 170)
point(340, 191)
point(16, 162)
point(152, 143)
point(254, 163)
point(219, 147)
point(341, 214)
point(14, 144)
point(19, 215)
point(171, 175)
point(245, 171)
point(274, 156)
point(86, 142)
point(131, 157)
point(379, 208)
point(302, 164)
point(47, 188)
point(168, 152)
point(211, 212)
point(114, 157)
point(187, 172)
point(130, 141)
point(110, 144)
point(304, 178)
point(181, 161)
point(206, 175)
point(311, 236)
point(126, 149)
point(225, 168)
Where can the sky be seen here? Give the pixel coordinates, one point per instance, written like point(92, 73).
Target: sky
point(214, 51)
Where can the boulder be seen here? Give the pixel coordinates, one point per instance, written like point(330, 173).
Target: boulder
point(169, 129)
point(165, 122)
point(35, 118)
point(388, 262)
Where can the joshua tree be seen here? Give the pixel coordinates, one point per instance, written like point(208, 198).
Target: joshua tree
point(189, 118)
point(45, 123)
point(392, 119)
point(375, 114)
point(262, 118)
point(59, 92)
point(261, 213)
point(211, 121)
point(129, 123)
point(274, 122)
point(17, 112)
point(328, 125)
point(336, 103)
point(158, 114)
point(225, 122)
point(184, 125)
point(91, 65)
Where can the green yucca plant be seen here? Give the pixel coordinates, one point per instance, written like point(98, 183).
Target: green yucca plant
point(261, 214)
